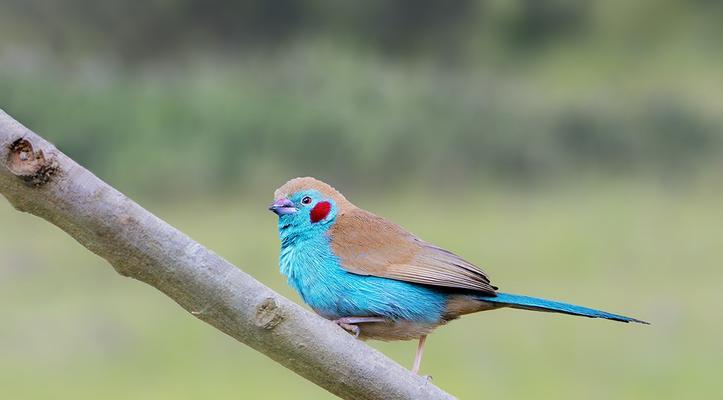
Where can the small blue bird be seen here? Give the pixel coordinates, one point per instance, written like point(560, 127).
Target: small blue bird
point(375, 279)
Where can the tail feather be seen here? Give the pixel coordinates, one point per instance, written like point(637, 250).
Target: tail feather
point(537, 304)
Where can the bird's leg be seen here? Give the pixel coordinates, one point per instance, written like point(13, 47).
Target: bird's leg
point(349, 323)
point(420, 352)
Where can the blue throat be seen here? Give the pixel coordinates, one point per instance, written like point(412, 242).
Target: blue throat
point(314, 271)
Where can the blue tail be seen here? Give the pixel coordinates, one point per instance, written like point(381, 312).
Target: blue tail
point(537, 304)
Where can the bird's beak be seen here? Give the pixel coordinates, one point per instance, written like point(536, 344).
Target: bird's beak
point(282, 206)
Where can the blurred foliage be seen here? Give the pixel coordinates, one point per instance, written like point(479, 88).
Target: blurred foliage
point(195, 95)
point(136, 31)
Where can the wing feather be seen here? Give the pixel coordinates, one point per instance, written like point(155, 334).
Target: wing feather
point(370, 245)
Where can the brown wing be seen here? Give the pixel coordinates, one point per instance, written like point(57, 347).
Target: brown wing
point(370, 245)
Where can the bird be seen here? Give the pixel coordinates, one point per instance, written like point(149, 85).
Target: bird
point(378, 281)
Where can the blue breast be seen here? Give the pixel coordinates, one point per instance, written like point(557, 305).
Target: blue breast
point(315, 272)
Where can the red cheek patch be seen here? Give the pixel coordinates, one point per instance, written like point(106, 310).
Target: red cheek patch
point(320, 211)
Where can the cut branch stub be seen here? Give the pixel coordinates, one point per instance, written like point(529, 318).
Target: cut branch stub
point(29, 165)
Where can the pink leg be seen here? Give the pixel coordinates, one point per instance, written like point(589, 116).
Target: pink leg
point(420, 352)
point(349, 323)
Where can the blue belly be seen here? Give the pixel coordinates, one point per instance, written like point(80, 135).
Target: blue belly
point(314, 271)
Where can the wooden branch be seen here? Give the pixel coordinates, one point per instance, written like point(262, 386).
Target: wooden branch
point(37, 178)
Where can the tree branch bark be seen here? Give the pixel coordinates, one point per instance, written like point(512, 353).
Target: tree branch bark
point(37, 178)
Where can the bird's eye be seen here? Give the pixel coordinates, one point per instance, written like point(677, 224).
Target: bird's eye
point(306, 200)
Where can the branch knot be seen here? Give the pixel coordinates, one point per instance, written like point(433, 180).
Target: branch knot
point(29, 165)
point(268, 314)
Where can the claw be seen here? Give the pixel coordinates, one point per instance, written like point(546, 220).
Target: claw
point(349, 324)
point(353, 329)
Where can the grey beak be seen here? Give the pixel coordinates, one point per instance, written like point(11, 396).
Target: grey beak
point(282, 206)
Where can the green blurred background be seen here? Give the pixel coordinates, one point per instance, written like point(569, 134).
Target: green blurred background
point(573, 149)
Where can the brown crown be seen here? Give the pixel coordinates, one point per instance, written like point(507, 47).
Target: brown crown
point(307, 183)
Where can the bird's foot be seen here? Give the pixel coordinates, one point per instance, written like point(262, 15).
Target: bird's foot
point(351, 328)
point(349, 324)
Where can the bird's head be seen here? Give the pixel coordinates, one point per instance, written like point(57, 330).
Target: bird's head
point(306, 206)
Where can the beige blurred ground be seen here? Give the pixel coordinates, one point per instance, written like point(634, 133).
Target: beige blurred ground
point(72, 328)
